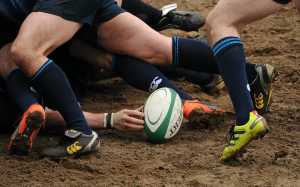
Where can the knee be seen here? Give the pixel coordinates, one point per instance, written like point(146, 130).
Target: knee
point(23, 52)
point(154, 57)
point(18, 52)
point(149, 56)
point(212, 22)
point(160, 54)
point(217, 23)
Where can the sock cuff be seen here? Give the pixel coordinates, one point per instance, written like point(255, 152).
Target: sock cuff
point(175, 50)
point(225, 43)
point(44, 66)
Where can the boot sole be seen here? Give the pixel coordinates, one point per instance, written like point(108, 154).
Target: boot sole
point(21, 143)
point(94, 149)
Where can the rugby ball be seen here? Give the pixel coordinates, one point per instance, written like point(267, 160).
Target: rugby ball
point(163, 115)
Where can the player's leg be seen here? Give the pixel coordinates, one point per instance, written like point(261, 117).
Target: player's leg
point(129, 35)
point(132, 35)
point(143, 76)
point(123, 33)
point(37, 38)
point(140, 75)
point(260, 76)
point(157, 49)
point(223, 23)
point(33, 117)
point(148, 78)
point(15, 80)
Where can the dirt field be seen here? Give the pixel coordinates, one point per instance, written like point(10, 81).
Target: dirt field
point(190, 159)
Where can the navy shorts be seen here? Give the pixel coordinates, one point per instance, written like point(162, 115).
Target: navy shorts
point(107, 11)
point(81, 11)
point(284, 2)
point(15, 11)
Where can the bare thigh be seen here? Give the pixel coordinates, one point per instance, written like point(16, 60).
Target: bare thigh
point(128, 35)
point(229, 15)
point(39, 35)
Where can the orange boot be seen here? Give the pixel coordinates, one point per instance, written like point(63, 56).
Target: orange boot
point(199, 113)
point(24, 135)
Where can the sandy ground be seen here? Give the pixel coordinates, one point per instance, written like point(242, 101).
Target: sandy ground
point(191, 158)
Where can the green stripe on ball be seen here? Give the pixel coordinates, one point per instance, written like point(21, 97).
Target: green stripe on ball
point(159, 135)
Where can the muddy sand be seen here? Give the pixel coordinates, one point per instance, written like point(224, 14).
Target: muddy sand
point(191, 158)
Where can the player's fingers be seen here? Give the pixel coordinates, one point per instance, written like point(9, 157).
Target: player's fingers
point(133, 127)
point(135, 121)
point(136, 114)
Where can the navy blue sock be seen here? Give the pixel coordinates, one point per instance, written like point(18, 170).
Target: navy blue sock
point(144, 76)
point(198, 56)
point(53, 84)
point(232, 62)
point(18, 88)
point(194, 55)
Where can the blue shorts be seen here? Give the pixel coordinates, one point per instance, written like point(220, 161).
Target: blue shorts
point(284, 2)
point(82, 11)
point(15, 10)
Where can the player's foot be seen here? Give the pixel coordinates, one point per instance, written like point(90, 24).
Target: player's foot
point(74, 144)
point(241, 135)
point(202, 114)
point(22, 139)
point(184, 20)
point(214, 86)
point(261, 87)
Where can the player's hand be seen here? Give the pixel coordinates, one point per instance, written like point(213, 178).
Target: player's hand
point(129, 120)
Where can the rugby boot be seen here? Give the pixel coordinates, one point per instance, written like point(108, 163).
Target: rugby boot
point(183, 20)
point(22, 139)
point(241, 135)
point(202, 114)
point(261, 87)
point(74, 144)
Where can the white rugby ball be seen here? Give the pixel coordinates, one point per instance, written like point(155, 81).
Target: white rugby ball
point(163, 115)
